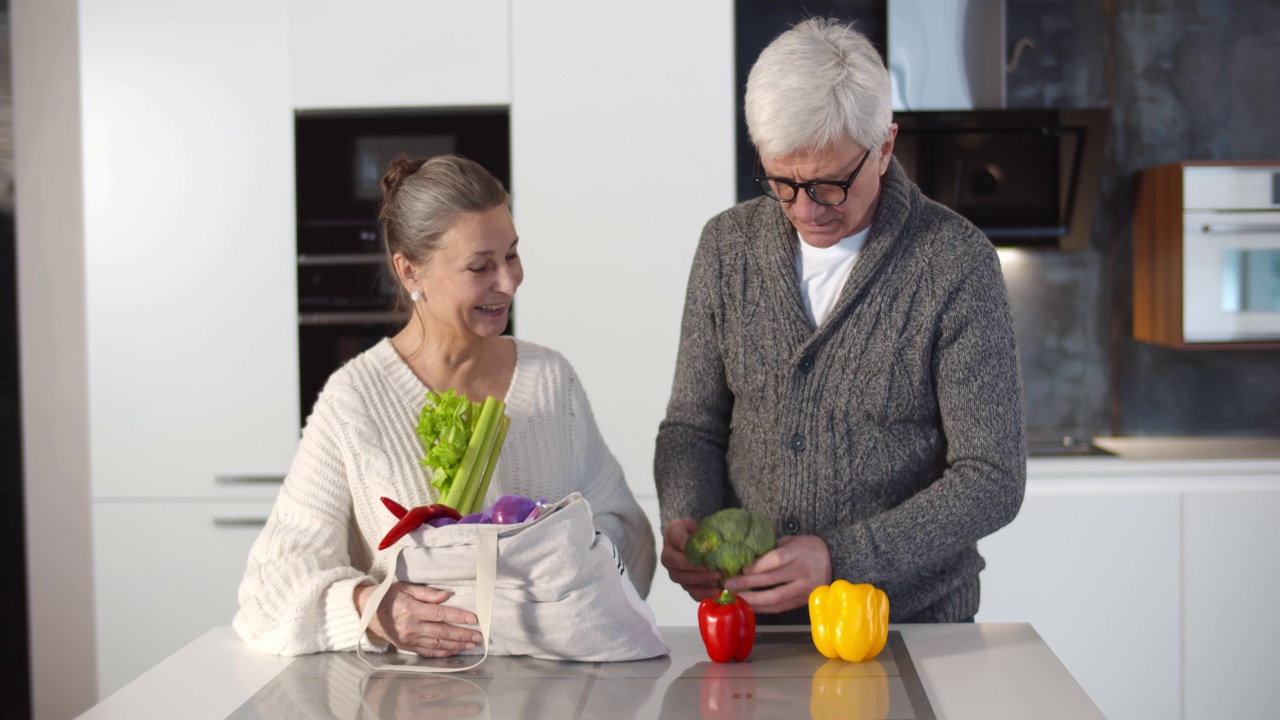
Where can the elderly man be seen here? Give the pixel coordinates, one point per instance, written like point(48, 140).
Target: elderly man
point(847, 362)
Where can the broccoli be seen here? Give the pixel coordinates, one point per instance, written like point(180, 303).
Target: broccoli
point(729, 540)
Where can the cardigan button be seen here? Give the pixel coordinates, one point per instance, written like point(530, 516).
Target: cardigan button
point(806, 364)
point(797, 442)
point(790, 526)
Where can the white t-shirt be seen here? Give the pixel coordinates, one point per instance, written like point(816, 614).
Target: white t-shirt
point(823, 272)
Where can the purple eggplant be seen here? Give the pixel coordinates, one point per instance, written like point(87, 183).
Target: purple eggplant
point(510, 509)
point(471, 519)
point(441, 521)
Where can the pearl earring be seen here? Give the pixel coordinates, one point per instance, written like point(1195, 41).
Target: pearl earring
point(416, 295)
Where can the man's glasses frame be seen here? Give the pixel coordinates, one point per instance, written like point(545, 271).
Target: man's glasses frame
point(770, 185)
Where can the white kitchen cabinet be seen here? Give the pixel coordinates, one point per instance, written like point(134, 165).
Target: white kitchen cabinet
point(164, 573)
point(190, 277)
point(190, 268)
point(622, 141)
point(1097, 574)
point(399, 53)
point(1231, 580)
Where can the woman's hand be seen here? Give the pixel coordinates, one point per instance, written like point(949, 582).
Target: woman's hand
point(412, 618)
point(699, 582)
point(790, 572)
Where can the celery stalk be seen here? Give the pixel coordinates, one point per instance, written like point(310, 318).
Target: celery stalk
point(475, 496)
point(504, 423)
point(466, 470)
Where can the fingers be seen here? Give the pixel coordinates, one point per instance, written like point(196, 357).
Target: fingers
point(431, 610)
point(782, 578)
point(778, 599)
point(409, 621)
point(677, 533)
point(439, 640)
point(675, 561)
point(425, 593)
point(699, 582)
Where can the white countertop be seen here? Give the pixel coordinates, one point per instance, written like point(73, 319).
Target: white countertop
point(1163, 463)
point(988, 671)
point(1192, 448)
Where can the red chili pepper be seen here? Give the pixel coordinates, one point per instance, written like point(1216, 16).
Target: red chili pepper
point(728, 627)
point(412, 519)
point(396, 508)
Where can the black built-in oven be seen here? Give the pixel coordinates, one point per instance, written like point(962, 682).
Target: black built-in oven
point(346, 295)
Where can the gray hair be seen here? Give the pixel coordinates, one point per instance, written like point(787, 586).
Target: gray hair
point(422, 198)
point(815, 84)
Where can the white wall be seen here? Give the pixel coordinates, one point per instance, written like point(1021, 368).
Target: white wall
point(52, 338)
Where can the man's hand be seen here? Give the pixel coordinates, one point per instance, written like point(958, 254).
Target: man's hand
point(790, 571)
point(699, 582)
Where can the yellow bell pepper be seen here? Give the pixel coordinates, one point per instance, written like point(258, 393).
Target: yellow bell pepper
point(850, 622)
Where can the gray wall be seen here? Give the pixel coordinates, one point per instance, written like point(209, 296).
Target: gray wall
point(1184, 80)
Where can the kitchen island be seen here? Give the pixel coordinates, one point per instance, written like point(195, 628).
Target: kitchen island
point(950, 672)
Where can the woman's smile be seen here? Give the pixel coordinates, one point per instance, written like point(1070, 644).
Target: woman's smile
point(495, 309)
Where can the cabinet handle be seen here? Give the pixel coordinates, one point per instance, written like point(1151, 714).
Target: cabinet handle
point(239, 522)
point(341, 259)
point(1239, 229)
point(349, 318)
point(247, 479)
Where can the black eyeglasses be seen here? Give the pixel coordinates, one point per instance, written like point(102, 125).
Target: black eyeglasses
point(823, 192)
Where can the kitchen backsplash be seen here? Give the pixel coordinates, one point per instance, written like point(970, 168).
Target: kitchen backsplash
point(1184, 80)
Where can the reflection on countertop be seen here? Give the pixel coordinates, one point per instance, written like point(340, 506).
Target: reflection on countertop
point(784, 677)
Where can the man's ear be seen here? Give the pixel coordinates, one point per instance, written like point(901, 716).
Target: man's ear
point(886, 149)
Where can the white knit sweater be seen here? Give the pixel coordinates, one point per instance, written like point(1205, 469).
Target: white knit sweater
point(359, 444)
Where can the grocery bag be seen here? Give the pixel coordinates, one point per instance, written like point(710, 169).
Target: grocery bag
point(553, 588)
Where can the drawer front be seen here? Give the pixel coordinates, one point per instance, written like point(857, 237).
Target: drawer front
point(1231, 188)
point(164, 574)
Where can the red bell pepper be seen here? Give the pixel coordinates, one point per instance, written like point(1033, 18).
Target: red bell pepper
point(728, 627)
point(410, 520)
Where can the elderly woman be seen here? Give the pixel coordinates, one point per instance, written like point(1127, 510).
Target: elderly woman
point(451, 242)
point(847, 363)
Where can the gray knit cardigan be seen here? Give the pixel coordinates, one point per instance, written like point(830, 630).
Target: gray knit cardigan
point(894, 430)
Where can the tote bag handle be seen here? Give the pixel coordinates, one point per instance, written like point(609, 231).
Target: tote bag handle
point(486, 575)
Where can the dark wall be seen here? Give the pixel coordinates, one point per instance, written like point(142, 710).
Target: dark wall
point(1185, 79)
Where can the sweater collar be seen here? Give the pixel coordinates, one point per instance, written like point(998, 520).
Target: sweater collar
point(884, 242)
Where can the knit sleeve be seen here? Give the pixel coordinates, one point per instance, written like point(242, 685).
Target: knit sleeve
point(689, 463)
point(979, 394)
point(297, 593)
point(614, 508)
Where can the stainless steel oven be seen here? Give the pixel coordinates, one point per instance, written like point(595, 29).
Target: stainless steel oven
point(345, 294)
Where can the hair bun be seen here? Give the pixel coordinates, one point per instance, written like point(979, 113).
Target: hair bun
point(399, 169)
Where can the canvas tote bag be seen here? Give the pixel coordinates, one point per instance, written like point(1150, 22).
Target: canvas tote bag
point(551, 588)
